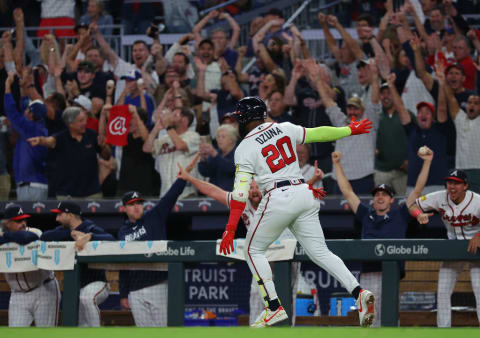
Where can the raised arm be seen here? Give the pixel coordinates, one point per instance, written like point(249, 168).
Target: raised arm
point(197, 29)
point(235, 29)
point(420, 68)
point(343, 182)
point(404, 115)
point(242, 77)
point(347, 38)
point(111, 55)
point(204, 187)
point(331, 42)
point(290, 99)
point(20, 37)
point(426, 154)
point(443, 98)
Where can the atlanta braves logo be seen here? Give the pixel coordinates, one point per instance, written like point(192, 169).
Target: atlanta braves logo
point(118, 126)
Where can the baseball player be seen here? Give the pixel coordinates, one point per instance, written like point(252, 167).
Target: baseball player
point(146, 292)
point(254, 198)
point(35, 294)
point(460, 212)
point(94, 287)
point(381, 220)
point(268, 152)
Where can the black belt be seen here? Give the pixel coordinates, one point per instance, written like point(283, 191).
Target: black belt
point(285, 184)
point(46, 281)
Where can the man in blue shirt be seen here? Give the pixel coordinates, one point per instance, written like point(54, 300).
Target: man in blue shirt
point(94, 287)
point(381, 221)
point(29, 163)
point(146, 292)
point(134, 94)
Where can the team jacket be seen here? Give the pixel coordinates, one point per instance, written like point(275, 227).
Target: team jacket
point(98, 234)
point(150, 227)
point(29, 163)
point(25, 281)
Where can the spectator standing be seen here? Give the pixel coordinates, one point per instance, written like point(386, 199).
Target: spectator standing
point(94, 288)
point(35, 294)
point(134, 94)
point(57, 13)
point(75, 150)
point(277, 110)
point(467, 124)
point(312, 174)
point(96, 13)
point(179, 145)
point(180, 16)
point(381, 220)
point(217, 164)
point(346, 55)
point(29, 163)
point(391, 160)
point(5, 184)
point(359, 153)
point(223, 47)
point(85, 104)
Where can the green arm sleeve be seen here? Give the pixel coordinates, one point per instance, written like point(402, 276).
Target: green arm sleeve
point(326, 134)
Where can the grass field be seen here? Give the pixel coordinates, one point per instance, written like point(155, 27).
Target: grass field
point(236, 332)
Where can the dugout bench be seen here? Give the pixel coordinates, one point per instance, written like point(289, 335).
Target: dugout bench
point(390, 252)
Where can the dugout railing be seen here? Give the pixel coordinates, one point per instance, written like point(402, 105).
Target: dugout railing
point(390, 252)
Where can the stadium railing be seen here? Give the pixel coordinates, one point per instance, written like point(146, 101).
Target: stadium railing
point(389, 252)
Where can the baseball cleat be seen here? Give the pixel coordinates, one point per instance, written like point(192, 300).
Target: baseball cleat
point(366, 308)
point(269, 317)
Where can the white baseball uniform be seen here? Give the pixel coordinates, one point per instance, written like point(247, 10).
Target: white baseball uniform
point(269, 152)
point(35, 297)
point(462, 222)
point(256, 302)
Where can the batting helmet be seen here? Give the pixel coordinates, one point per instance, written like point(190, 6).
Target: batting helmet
point(250, 108)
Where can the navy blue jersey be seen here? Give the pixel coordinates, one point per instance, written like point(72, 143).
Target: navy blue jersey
point(151, 227)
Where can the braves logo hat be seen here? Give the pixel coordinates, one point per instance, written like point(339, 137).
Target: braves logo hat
point(14, 212)
point(132, 197)
point(383, 187)
point(68, 207)
point(457, 175)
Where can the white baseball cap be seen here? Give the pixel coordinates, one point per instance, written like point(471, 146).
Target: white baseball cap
point(83, 101)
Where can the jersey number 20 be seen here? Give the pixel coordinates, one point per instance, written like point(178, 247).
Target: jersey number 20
point(272, 154)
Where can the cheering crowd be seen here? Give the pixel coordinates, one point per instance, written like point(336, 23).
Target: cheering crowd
point(88, 124)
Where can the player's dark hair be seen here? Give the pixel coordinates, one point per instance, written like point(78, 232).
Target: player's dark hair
point(138, 42)
point(185, 57)
point(366, 17)
point(187, 112)
point(206, 41)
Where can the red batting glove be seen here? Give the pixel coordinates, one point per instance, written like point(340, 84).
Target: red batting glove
point(360, 127)
point(226, 246)
point(318, 193)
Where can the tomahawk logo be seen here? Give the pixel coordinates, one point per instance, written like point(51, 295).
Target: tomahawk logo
point(118, 126)
point(380, 249)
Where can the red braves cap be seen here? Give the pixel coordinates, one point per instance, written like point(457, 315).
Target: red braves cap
point(132, 197)
point(426, 104)
point(14, 212)
point(67, 207)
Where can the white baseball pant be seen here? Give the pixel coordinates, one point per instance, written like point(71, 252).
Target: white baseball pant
point(40, 305)
point(373, 281)
point(296, 208)
point(91, 296)
point(447, 278)
point(256, 300)
point(149, 305)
